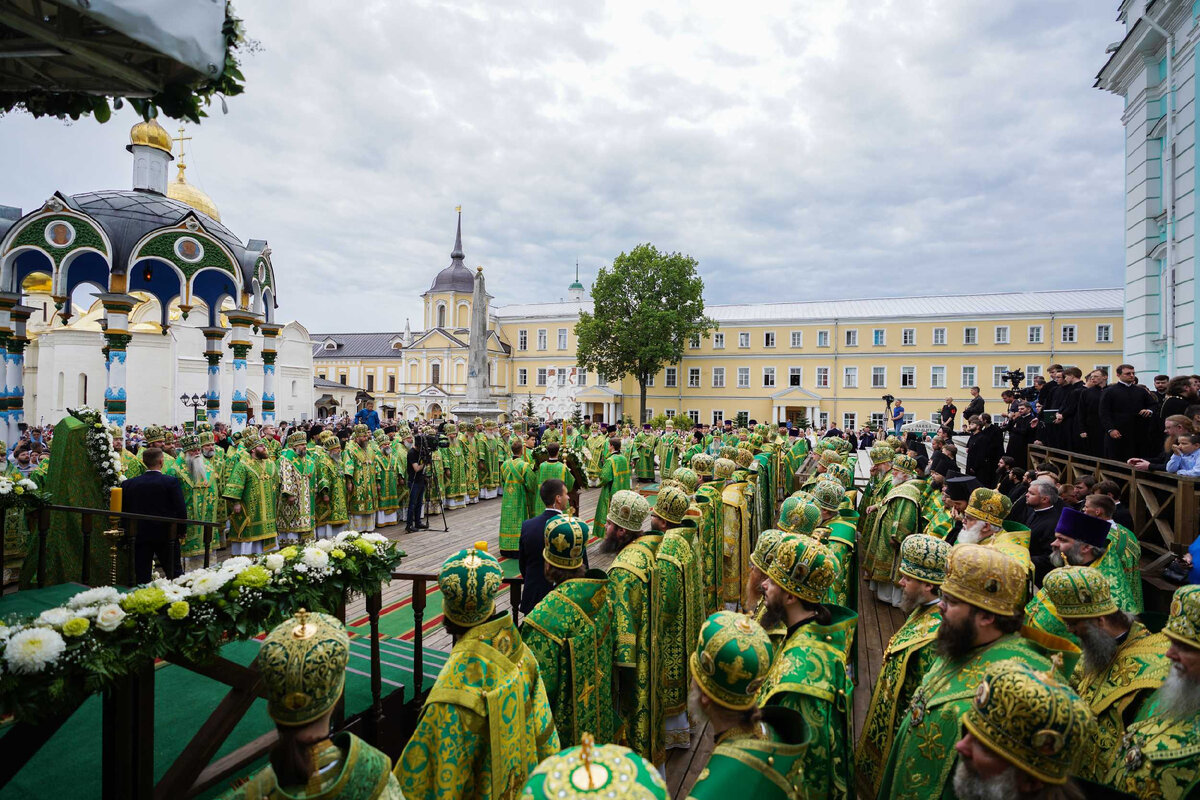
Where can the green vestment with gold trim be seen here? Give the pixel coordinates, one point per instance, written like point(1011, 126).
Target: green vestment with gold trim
point(387, 478)
point(486, 722)
point(764, 761)
point(1159, 757)
point(332, 508)
point(454, 471)
point(550, 470)
point(359, 464)
point(571, 633)
point(516, 505)
point(908, 656)
point(347, 769)
point(737, 532)
point(710, 536)
point(201, 499)
point(683, 614)
point(810, 675)
point(839, 537)
point(899, 519)
point(254, 483)
point(597, 447)
point(644, 445)
point(296, 510)
point(614, 476)
point(668, 452)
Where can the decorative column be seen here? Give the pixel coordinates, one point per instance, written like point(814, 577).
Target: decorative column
point(212, 353)
point(8, 301)
point(14, 369)
point(270, 331)
point(240, 344)
point(117, 307)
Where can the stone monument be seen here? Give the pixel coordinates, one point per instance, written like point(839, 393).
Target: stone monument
point(479, 402)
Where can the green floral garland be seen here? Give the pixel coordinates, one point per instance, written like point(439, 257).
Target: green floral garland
point(53, 661)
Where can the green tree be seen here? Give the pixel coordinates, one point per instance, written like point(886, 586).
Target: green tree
point(645, 308)
point(529, 405)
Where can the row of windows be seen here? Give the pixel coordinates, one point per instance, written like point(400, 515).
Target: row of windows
point(542, 375)
point(849, 418)
point(908, 336)
point(542, 339)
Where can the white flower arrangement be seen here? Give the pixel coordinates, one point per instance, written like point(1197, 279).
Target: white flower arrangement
point(54, 617)
point(315, 557)
point(108, 617)
point(325, 545)
point(101, 595)
point(236, 564)
point(33, 649)
point(99, 445)
point(210, 581)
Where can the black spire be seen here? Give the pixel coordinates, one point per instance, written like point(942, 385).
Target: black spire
point(456, 255)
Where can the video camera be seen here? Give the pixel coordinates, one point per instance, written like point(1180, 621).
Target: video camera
point(888, 398)
point(1015, 376)
point(425, 444)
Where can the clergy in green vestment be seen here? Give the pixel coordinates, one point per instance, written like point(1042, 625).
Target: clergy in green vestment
point(760, 561)
point(595, 772)
point(635, 588)
point(400, 447)
point(201, 495)
point(899, 518)
point(614, 477)
point(837, 533)
point(252, 491)
point(486, 722)
point(870, 505)
point(1122, 545)
point(469, 443)
point(737, 533)
point(667, 449)
point(551, 469)
point(571, 633)
point(296, 510)
point(302, 672)
point(597, 449)
point(516, 504)
point(644, 446)
point(362, 489)
point(758, 753)
point(388, 474)
point(810, 673)
point(711, 511)
point(333, 513)
point(906, 658)
point(493, 453)
point(983, 600)
point(131, 465)
point(454, 469)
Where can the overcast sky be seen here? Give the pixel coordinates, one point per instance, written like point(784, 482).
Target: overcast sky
point(798, 150)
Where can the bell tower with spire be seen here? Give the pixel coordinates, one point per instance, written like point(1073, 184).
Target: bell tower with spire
point(448, 302)
point(575, 290)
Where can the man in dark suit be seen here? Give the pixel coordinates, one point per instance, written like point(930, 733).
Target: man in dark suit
point(1124, 408)
point(975, 407)
point(158, 495)
point(1044, 508)
point(985, 447)
point(533, 541)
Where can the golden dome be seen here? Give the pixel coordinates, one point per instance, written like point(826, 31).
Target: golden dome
point(150, 134)
point(179, 189)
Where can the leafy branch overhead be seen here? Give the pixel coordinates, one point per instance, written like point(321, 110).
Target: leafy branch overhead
point(645, 309)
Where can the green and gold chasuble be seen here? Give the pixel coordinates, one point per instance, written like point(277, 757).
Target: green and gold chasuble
point(435, 479)
point(131, 465)
point(454, 471)
point(470, 448)
point(387, 476)
point(1041, 613)
point(1126, 550)
point(296, 508)
point(764, 761)
point(491, 456)
point(597, 447)
point(644, 445)
point(332, 508)
point(811, 676)
point(358, 461)
point(635, 587)
point(1117, 692)
point(938, 520)
point(900, 518)
point(711, 547)
point(1159, 756)
point(201, 500)
point(254, 484)
point(400, 464)
point(908, 656)
point(922, 757)
point(667, 450)
point(764, 494)
point(682, 615)
point(347, 768)
point(516, 505)
point(614, 476)
point(550, 470)
point(736, 539)
point(486, 722)
point(571, 633)
point(838, 535)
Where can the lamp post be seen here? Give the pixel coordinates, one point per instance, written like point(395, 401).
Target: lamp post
point(194, 402)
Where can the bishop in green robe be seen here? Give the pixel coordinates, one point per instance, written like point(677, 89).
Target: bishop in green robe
point(899, 518)
point(454, 470)
point(201, 495)
point(597, 449)
point(296, 509)
point(644, 446)
point(332, 512)
point(551, 469)
point(516, 504)
point(389, 476)
point(362, 488)
point(614, 477)
point(252, 491)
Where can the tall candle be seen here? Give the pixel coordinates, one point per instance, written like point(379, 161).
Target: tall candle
point(114, 499)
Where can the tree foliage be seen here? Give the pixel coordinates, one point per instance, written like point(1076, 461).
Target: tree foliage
point(645, 308)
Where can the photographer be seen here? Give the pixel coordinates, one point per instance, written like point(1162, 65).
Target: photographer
point(897, 416)
point(418, 459)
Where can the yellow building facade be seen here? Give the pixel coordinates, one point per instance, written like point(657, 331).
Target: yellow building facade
point(829, 362)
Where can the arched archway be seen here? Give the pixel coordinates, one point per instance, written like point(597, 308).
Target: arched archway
point(434, 411)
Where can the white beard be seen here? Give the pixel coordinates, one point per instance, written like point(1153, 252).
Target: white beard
point(1179, 696)
point(969, 786)
point(970, 535)
point(198, 469)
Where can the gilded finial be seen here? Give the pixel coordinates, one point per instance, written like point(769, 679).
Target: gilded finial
point(304, 630)
point(1056, 665)
point(458, 209)
point(479, 268)
point(586, 742)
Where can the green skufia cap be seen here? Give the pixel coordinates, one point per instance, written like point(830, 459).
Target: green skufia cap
point(842, 473)
point(764, 549)
point(1079, 592)
point(672, 504)
point(687, 478)
point(905, 463)
point(595, 771)
point(723, 468)
point(702, 464)
point(450, 428)
point(1031, 721)
point(1183, 625)
point(755, 439)
point(207, 439)
point(924, 558)
point(989, 505)
point(804, 567)
point(628, 510)
point(881, 454)
point(842, 446)
point(380, 436)
point(297, 439)
point(251, 438)
point(744, 458)
point(360, 430)
point(728, 452)
point(154, 436)
point(892, 442)
point(565, 539)
point(829, 494)
point(797, 515)
point(189, 442)
point(303, 667)
point(732, 659)
point(831, 456)
point(469, 581)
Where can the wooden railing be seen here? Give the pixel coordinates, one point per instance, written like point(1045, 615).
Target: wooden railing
point(1165, 507)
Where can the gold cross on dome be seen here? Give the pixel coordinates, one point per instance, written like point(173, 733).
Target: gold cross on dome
point(181, 139)
point(734, 672)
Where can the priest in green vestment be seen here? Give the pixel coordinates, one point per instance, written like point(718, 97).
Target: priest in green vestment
point(755, 601)
point(810, 673)
point(333, 513)
point(595, 772)
point(493, 452)
point(870, 505)
point(571, 633)
point(252, 492)
point(983, 601)
point(302, 672)
point(644, 446)
point(737, 535)
point(597, 450)
point(131, 465)
point(1128, 550)
point(486, 722)
point(296, 509)
point(362, 488)
point(906, 658)
point(711, 511)
point(516, 504)
point(758, 753)
point(388, 475)
point(837, 533)
point(201, 495)
point(614, 477)
point(899, 518)
point(635, 587)
point(551, 469)
point(454, 469)
point(667, 449)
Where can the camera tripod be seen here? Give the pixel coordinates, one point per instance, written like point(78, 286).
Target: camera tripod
point(434, 479)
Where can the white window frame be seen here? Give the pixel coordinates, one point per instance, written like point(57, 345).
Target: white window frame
point(522, 339)
point(879, 337)
point(998, 381)
point(562, 338)
point(822, 338)
point(1074, 334)
point(911, 374)
point(967, 383)
point(581, 375)
point(768, 338)
point(1034, 334)
point(1032, 371)
point(522, 376)
point(743, 340)
point(650, 381)
point(541, 376)
point(822, 419)
point(908, 337)
point(542, 339)
point(694, 377)
point(670, 412)
point(1002, 334)
point(850, 377)
point(561, 375)
point(671, 378)
point(823, 377)
point(718, 378)
point(877, 419)
point(694, 342)
point(851, 337)
point(1106, 329)
point(970, 335)
point(743, 377)
point(694, 415)
point(718, 416)
point(939, 333)
point(797, 338)
point(798, 372)
point(849, 420)
point(878, 377)
point(768, 377)
point(718, 341)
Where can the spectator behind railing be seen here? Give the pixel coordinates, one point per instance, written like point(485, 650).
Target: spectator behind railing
point(1173, 426)
point(1185, 460)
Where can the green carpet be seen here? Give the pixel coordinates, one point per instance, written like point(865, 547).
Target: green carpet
point(182, 700)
